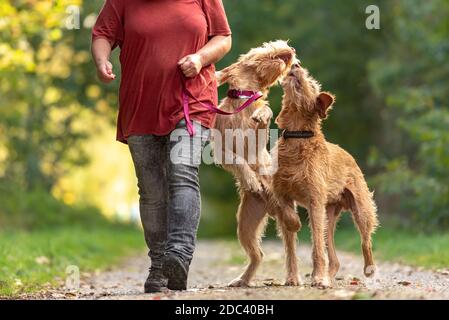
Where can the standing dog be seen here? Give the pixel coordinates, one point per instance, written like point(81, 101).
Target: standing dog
point(320, 176)
point(255, 71)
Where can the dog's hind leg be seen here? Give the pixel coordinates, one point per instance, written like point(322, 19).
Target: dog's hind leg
point(365, 217)
point(333, 214)
point(290, 241)
point(252, 219)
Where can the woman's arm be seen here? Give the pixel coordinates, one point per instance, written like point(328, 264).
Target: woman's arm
point(215, 49)
point(101, 50)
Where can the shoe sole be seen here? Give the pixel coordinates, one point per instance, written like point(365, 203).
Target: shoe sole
point(152, 289)
point(175, 273)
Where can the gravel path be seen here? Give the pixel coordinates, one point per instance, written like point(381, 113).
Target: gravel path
point(218, 262)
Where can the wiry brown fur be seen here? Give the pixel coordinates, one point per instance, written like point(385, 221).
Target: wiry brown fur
point(320, 176)
point(257, 70)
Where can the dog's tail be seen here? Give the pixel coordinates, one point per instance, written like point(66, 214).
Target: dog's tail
point(367, 209)
point(364, 211)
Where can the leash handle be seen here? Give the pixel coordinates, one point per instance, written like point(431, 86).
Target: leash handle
point(185, 98)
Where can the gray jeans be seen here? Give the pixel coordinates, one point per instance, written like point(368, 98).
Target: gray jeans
point(170, 204)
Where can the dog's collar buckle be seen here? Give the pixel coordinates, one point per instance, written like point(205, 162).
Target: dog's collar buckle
point(296, 134)
point(241, 94)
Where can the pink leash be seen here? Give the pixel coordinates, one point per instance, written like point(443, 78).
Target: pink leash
point(253, 96)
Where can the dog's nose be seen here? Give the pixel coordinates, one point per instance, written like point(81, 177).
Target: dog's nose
point(296, 65)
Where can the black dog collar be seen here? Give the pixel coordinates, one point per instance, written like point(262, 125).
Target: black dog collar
point(296, 134)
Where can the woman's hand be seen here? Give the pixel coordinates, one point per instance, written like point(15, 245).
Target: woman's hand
point(213, 51)
point(101, 49)
point(191, 65)
point(104, 71)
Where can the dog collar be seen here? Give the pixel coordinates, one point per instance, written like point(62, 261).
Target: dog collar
point(241, 94)
point(296, 134)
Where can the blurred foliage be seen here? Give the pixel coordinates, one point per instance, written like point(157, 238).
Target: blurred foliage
point(411, 76)
point(51, 105)
point(46, 81)
point(390, 113)
point(37, 209)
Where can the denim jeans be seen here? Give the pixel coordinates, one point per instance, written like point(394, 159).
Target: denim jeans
point(170, 204)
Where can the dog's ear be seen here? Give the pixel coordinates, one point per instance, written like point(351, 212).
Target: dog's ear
point(223, 76)
point(323, 103)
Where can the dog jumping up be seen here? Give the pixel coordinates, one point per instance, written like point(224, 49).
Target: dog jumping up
point(318, 175)
point(254, 72)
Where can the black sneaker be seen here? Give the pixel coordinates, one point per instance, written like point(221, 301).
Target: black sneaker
point(176, 271)
point(156, 281)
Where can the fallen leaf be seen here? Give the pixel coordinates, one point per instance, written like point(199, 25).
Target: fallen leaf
point(272, 284)
point(42, 260)
point(404, 283)
point(70, 294)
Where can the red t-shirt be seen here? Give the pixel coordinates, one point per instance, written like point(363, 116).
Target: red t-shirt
point(153, 36)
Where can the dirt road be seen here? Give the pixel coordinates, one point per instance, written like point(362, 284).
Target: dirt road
point(218, 262)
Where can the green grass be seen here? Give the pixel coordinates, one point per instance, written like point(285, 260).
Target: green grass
point(89, 248)
point(40, 236)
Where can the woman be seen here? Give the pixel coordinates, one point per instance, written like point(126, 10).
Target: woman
point(166, 47)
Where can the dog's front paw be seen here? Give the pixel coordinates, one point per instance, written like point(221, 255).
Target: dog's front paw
point(321, 282)
point(262, 115)
point(253, 185)
point(238, 283)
